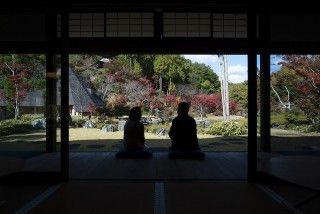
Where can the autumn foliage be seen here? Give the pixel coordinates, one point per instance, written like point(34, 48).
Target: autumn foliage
point(306, 83)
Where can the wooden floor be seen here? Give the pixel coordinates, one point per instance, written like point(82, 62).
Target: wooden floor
point(10, 165)
point(104, 165)
point(301, 170)
point(228, 197)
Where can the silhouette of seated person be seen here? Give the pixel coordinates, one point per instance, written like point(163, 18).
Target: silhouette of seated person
point(133, 140)
point(183, 133)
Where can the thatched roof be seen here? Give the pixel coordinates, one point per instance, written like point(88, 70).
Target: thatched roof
point(33, 98)
point(80, 95)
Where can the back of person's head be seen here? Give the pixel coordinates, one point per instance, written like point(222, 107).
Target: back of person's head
point(135, 113)
point(183, 108)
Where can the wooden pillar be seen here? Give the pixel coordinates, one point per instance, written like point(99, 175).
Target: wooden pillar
point(264, 32)
point(65, 95)
point(252, 98)
point(51, 83)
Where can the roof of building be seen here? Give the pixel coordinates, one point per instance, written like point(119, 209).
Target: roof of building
point(33, 98)
point(80, 95)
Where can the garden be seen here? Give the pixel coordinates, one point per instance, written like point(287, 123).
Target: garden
point(157, 83)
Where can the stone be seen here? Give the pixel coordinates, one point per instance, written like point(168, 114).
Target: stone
point(207, 124)
point(203, 123)
point(107, 128)
point(39, 123)
point(155, 120)
point(161, 132)
point(88, 124)
point(121, 125)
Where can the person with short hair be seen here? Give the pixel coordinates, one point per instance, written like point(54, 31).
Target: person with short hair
point(183, 133)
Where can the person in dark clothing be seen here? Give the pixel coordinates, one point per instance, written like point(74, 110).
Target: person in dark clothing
point(133, 136)
point(183, 133)
point(133, 139)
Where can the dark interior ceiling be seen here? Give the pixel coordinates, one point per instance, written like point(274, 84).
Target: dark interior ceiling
point(278, 6)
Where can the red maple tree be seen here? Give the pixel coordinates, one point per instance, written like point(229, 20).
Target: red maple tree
point(307, 83)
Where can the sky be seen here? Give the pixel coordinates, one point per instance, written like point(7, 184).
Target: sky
point(238, 65)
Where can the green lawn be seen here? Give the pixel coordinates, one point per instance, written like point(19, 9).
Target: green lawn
point(82, 139)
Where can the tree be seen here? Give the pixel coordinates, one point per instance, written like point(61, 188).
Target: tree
point(130, 64)
point(92, 109)
point(204, 103)
point(283, 89)
point(113, 83)
point(172, 101)
point(85, 64)
point(203, 78)
point(146, 62)
point(185, 91)
point(307, 84)
point(239, 93)
point(15, 80)
point(139, 92)
point(117, 105)
point(172, 69)
point(210, 103)
point(140, 65)
point(156, 103)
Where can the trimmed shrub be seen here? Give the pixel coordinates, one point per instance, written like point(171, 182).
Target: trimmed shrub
point(12, 126)
point(77, 122)
point(227, 128)
point(201, 130)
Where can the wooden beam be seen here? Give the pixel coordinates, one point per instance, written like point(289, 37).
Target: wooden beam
point(51, 84)
point(252, 99)
point(265, 144)
point(65, 96)
point(158, 46)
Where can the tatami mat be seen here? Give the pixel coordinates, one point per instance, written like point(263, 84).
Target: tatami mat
point(218, 197)
point(301, 170)
point(102, 197)
point(159, 197)
point(104, 165)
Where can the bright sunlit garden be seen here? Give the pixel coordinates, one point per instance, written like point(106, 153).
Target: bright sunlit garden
point(105, 87)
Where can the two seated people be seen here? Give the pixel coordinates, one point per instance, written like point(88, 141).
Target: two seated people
point(183, 134)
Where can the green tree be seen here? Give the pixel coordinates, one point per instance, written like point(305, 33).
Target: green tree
point(85, 64)
point(146, 62)
point(239, 93)
point(172, 69)
point(130, 64)
point(282, 82)
point(203, 78)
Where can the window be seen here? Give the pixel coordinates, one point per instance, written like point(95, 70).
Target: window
point(229, 26)
point(86, 25)
point(186, 25)
point(129, 25)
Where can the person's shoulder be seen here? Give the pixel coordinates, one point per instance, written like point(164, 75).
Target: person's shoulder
point(191, 118)
point(139, 123)
point(175, 118)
